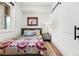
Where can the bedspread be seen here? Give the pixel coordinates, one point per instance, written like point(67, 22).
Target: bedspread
point(23, 45)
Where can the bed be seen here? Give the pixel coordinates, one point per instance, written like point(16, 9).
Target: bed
point(29, 43)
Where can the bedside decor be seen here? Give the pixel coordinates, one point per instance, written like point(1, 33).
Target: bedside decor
point(46, 37)
point(32, 21)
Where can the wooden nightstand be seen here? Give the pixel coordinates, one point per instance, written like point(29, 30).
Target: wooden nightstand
point(46, 37)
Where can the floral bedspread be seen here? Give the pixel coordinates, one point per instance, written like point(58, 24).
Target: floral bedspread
point(23, 45)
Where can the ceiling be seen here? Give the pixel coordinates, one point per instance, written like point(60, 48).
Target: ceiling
point(35, 7)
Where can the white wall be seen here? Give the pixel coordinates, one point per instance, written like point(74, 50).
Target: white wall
point(64, 18)
point(17, 23)
point(19, 19)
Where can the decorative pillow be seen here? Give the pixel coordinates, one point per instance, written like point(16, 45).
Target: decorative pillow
point(29, 33)
point(37, 32)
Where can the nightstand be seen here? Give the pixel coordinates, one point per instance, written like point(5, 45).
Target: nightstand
point(46, 37)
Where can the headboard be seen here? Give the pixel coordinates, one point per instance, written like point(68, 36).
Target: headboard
point(22, 30)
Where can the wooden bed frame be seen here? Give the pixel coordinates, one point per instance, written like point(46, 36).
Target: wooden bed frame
point(22, 30)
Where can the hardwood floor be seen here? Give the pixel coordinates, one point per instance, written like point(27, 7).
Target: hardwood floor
point(52, 49)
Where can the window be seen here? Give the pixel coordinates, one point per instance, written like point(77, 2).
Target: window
point(5, 21)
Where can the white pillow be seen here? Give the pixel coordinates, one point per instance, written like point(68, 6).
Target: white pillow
point(29, 33)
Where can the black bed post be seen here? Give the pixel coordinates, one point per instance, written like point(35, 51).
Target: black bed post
point(21, 31)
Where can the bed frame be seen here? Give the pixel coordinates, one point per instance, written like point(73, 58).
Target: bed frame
point(40, 30)
point(22, 30)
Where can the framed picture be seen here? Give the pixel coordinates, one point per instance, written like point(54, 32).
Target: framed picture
point(32, 21)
